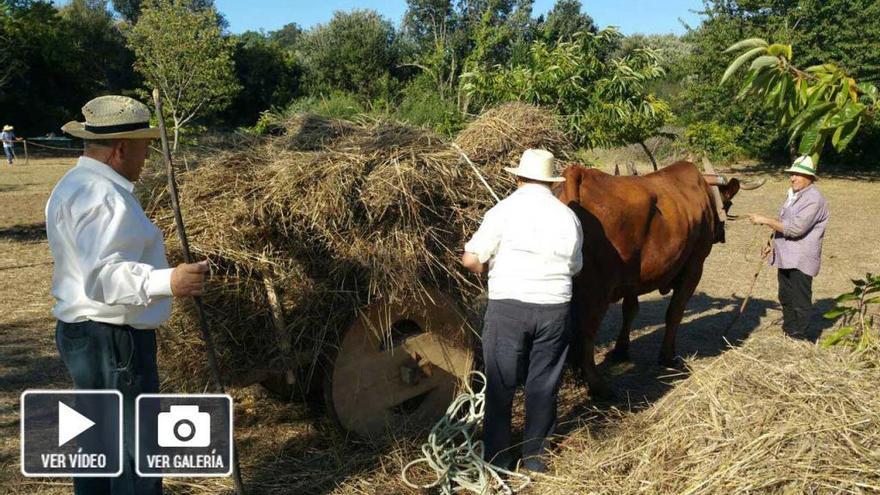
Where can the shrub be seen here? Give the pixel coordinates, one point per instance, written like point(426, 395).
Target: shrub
point(422, 105)
point(719, 142)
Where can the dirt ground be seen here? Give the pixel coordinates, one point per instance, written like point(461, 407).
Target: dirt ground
point(286, 448)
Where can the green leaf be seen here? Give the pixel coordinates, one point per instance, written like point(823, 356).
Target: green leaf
point(836, 337)
point(836, 313)
point(779, 50)
point(764, 61)
point(873, 300)
point(849, 296)
point(847, 133)
point(742, 59)
point(749, 43)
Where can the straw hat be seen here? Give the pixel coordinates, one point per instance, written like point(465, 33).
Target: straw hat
point(804, 166)
point(113, 117)
point(536, 165)
point(7, 127)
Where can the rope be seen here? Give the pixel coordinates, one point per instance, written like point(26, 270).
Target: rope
point(476, 171)
point(455, 457)
point(49, 147)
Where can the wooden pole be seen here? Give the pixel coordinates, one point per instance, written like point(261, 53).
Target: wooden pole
point(187, 256)
point(26, 158)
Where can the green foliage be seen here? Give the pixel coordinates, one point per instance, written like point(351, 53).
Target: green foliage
point(356, 53)
point(815, 104)
point(855, 312)
point(717, 141)
point(604, 102)
point(843, 32)
point(52, 62)
point(565, 20)
point(270, 75)
point(422, 105)
point(181, 51)
point(337, 105)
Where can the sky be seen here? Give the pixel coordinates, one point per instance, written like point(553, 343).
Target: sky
point(631, 16)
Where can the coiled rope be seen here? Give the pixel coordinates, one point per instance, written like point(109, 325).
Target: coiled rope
point(455, 457)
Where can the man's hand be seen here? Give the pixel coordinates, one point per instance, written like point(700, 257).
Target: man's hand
point(472, 263)
point(188, 279)
point(757, 219)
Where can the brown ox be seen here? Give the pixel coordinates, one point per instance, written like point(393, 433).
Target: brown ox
point(641, 234)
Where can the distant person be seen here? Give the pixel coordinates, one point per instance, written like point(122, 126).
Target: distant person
point(9, 139)
point(797, 246)
point(111, 281)
point(530, 243)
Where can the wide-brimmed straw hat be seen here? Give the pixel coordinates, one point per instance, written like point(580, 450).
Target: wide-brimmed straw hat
point(113, 117)
point(536, 165)
point(7, 127)
point(804, 166)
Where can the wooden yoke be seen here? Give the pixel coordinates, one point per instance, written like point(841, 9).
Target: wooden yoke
point(716, 193)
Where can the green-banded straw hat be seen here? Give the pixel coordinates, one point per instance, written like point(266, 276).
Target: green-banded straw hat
point(804, 166)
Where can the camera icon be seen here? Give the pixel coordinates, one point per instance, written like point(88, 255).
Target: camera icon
point(184, 426)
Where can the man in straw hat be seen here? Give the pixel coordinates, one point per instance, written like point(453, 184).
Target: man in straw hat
point(111, 280)
point(530, 243)
point(797, 245)
point(9, 139)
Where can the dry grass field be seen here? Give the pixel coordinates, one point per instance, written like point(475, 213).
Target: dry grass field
point(287, 448)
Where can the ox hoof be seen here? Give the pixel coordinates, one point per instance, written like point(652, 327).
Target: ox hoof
point(618, 355)
point(602, 392)
point(676, 363)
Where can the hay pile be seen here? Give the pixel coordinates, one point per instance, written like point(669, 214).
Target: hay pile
point(327, 216)
point(776, 416)
point(499, 136)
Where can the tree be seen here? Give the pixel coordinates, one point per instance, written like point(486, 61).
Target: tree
point(181, 51)
point(288, 36)
point(604, 103)
point(843, 32)
point(270, 73)
point(564, 20)
point(105, 61)
point(355, 52)
point(815, 104)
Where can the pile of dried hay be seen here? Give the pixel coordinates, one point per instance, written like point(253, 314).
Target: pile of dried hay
point(499, 135)
point(775, 416)
point(325, 218)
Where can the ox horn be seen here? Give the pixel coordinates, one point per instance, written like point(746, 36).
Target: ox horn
point(748, 186)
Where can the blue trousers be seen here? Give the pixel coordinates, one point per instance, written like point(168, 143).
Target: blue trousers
point(526, 344)
point(103, 356)
point(10, 154)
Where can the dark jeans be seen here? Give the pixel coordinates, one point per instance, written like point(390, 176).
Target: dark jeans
point(104, 356)
point(796, 298)
point(522, 344)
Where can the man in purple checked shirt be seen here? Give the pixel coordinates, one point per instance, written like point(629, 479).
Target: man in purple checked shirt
point(797, 245)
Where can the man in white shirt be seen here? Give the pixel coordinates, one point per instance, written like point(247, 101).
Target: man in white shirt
point(530, 243)
point(111, 281)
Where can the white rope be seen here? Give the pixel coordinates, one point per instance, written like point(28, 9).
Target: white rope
point(455, 457)
point(476, 171)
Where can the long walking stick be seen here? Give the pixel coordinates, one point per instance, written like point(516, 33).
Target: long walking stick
point(187, 257)
point(742, 306)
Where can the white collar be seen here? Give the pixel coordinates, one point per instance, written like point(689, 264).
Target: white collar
point(106, 171)
point(529, 188)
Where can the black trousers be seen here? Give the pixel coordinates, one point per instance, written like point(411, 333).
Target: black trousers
point(103, 356)
point(522, 344)
point(796, 298)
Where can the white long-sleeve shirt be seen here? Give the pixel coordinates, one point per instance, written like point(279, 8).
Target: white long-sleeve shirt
point(110, 263)
point(533, 245)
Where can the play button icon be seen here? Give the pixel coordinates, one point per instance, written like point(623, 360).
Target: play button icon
point(71, 423)
point(71, 433)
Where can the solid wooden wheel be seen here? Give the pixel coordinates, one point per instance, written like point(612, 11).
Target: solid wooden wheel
point(398, 365)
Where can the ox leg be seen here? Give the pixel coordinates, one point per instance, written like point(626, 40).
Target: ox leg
point(680, 296)
point(621, 347)
point(589, 327)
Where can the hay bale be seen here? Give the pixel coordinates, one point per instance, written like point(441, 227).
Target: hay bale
point(776, 416)
point(335, 215)
point(499, 136)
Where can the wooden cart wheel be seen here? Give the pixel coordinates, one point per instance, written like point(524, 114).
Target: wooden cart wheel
point(399, 365)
